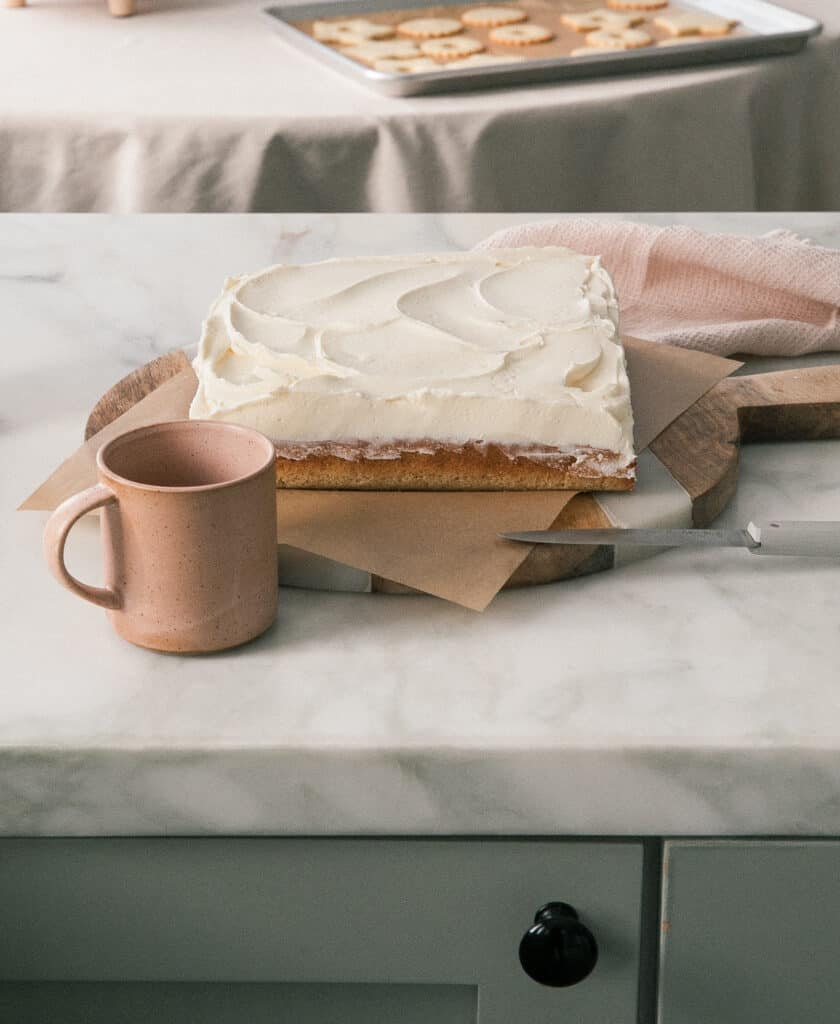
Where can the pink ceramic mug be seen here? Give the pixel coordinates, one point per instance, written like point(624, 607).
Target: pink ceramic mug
point(189, 535)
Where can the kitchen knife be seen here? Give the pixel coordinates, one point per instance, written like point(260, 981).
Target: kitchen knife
point(815, 540)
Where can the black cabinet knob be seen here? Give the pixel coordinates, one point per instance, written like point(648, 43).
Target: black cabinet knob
point(558, 949)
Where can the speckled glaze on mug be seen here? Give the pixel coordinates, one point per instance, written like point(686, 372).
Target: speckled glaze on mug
point(189, 535)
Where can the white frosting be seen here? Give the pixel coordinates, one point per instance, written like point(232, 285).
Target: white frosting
point(517, 347)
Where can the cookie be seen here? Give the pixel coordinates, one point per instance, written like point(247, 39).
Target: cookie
point(481, 60)
point(611, 39)
point(520, 35)
point(350, 32)
point(451, 49)
point(369, 53)
point(492, 17)
point(694, 23)
point(637, 5)
point(429, 28)
point(407, 66)
point(589, 21)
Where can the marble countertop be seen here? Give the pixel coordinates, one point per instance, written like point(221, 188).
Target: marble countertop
point(693, 693)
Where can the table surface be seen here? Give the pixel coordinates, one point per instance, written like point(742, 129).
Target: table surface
point(202, 106)
point(690, 693)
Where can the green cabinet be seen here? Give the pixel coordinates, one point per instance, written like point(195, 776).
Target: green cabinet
point(750, 932)
point(309, 931)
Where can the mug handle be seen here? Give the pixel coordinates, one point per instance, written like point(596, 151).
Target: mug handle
point(55, 537)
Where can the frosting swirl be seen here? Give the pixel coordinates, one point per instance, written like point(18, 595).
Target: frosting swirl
point(515, 346)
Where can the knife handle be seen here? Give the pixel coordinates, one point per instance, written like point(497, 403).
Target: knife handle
point(815, 540)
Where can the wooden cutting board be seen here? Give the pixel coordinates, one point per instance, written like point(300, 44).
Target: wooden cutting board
point(686, 477)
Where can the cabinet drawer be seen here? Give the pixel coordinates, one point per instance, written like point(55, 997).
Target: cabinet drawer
point(751, 932)
point(314, 912)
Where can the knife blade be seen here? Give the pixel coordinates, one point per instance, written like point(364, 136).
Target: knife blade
point(775, 537)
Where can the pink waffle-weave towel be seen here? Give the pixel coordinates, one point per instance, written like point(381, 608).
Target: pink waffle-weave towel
point(775, 295)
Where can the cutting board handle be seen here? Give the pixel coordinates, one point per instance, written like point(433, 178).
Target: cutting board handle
point(788, 405)
point(700, 448)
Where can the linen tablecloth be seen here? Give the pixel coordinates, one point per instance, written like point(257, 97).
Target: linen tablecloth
point(202, 106)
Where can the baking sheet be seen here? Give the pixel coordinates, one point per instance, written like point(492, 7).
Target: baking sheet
point(764, 29)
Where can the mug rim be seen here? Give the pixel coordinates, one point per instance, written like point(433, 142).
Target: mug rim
point(188, 425)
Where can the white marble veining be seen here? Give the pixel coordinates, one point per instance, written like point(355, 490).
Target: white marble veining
point(689, 693)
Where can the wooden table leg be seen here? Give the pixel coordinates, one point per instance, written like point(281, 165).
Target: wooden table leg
point(122, 8)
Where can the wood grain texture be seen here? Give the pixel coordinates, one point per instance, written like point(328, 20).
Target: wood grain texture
point(700, 449)
point(548, 562)
point(132, 388)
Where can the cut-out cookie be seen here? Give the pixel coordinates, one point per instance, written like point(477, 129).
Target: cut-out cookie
point(451, 49)
point(350, 32)
point(637, 5)
point(694, 23)
point(369, 53)
point(429, 28)
point(408, 66)
point(627, 39)
point(589, 21)
point(520, 35)
point(493, 17)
